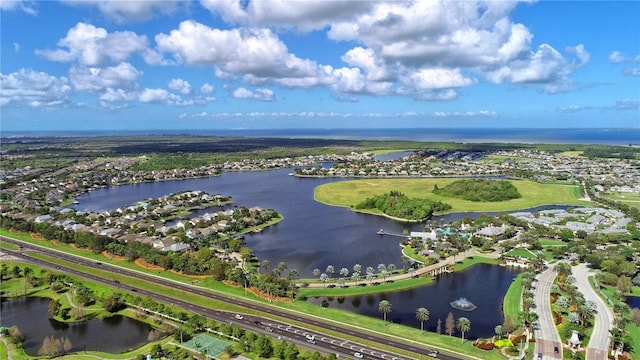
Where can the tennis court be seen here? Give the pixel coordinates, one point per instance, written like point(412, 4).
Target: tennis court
point(205, 343)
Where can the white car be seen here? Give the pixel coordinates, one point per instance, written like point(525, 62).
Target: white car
point(239, 317)
point(358, 355)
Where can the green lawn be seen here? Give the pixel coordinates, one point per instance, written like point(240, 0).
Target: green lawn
point(522, 253)
point(631, 199)
point(511, 303)
point(351, 192)
point(497, 159)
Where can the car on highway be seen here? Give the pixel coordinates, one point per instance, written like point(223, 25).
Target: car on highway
point(239, 317)
point(556, 350)
point(358, 355)
point(433, 353)
point(310, 337)
point(269, 328)
point(539, 356)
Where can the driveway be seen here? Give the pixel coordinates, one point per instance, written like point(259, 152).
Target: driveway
point(599, 343)
point(547, 337)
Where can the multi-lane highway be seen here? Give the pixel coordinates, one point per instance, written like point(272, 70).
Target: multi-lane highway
point(265, 323)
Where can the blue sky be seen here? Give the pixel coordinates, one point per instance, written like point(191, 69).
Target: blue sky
point(268, 64)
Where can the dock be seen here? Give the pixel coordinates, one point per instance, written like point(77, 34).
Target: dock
point(382, 232)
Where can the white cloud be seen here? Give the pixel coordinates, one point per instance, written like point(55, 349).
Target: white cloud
point(404, 38)
point(118, 95)
point(366, 59)
point(481, 113)
point(255, 54)
point(434, 78)
point(94, 46)
point(16, 47)
point(36, 89)
point(352, 81)
point(631, 71)
point(207, 89)
point(125, 11)
point(180, 85)
point(230, 10)
point(257, 94)
point(617, 57)
point(26, 6)
point(304, 15)
point(162, 96)
point(546, 65)
point(627, 104)
point(96, 80)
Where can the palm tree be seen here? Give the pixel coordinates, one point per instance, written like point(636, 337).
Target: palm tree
point(344, 272)
point(266, 264)
point(422, 314)
point(316, 272)
point(391, 267)
point(369, 273)
point(330, 270)
point(324, 278)
point(385, 308)
point(463, 325)
point(498, 329)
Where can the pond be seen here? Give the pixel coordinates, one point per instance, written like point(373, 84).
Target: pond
point(634, 302)
point(115, 334)
point(482, 284)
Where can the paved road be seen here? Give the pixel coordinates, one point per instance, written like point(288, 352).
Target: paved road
point(547, 337)
point(254, 323)
point(599, 343)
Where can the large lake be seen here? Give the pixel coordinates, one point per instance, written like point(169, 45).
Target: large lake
point(115, 334)
point(314, 235)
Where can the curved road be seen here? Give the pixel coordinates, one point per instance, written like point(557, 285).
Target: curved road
point(599, 343)
point(547, 338)
point(289, 332)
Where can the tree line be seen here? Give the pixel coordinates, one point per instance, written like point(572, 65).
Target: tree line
point(479, 190)
point(399, 205)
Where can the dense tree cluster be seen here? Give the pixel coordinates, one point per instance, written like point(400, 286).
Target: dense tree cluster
point(398, 205)
point(608, 152)
point(203, 261)
point(480, 190)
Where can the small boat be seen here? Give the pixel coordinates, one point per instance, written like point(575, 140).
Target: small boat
point(381, 231)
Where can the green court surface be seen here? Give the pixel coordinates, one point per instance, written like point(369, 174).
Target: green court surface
point(203, 343)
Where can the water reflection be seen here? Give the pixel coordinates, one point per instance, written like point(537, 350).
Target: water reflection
point(482, 284)
point(113, 335)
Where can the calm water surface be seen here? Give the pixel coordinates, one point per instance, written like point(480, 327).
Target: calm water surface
point(113, 335)
point(484, 285)
point(312, 235)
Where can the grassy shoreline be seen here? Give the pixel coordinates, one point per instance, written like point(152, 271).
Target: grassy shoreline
point(350, 192)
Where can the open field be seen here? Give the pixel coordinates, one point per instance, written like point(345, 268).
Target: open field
point(631, 199)
point(497, 159)
point(351, 192)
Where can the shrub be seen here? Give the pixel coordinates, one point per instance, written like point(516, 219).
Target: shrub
point(484, 345)
point(503, 342)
